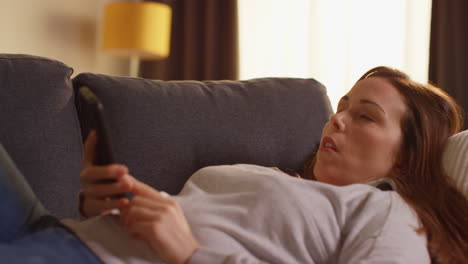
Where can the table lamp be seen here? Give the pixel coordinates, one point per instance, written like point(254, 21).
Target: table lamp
point(137, 30)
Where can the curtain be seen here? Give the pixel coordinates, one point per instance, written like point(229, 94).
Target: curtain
point(203, 43)
point(448, 66)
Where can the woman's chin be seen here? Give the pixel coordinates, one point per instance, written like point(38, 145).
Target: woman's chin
point(328, 174)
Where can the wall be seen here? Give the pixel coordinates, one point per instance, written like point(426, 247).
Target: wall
point(64, 30)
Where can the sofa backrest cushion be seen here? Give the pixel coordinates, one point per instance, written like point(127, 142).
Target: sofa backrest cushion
point(455, 160)
point(166, 130)
point(40, 129)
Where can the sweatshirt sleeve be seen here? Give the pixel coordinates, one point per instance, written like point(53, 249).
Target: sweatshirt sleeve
point(205, 255)
point(397, 241)
point(388, 250)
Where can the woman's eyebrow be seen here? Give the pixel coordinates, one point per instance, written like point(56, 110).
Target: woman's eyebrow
point(364, 101)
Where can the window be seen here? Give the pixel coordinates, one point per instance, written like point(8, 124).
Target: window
point(333, 41)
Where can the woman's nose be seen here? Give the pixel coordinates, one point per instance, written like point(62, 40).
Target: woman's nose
point(337, 121)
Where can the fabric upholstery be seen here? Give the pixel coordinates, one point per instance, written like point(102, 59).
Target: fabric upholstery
point(40, 129)
point(455, 160)
point(19, 207)
point(166, 130)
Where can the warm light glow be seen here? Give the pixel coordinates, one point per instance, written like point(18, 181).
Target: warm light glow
point(333, 41)
point(137, 28)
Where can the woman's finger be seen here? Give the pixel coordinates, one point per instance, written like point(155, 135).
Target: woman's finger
point(102, 190)
point(152, 203)
point(144, 190)
point(142, 207)
point(132, 213)
point(93, 207)
point(89, 147)
point(93, 174)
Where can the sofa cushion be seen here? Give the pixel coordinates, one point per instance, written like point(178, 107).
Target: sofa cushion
point(17, 199)
point(455, 160)
point(166, 130)
point(40, 129)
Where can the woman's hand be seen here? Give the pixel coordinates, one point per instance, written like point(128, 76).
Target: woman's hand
point(97, 197)
point(159, 221)
point(148, 215)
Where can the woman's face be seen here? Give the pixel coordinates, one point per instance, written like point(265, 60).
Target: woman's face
point(361, 141)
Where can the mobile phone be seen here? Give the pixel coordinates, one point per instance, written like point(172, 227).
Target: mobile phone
point(93, 119)
point(93, 110)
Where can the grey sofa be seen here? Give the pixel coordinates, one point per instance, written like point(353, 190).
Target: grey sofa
point(163, 130)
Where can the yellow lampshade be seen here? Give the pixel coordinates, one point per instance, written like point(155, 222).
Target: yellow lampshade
point(140, 29)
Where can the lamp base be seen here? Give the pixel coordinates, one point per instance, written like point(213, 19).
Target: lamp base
point(134, 66)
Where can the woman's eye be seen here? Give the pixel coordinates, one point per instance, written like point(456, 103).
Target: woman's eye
point(366, 117)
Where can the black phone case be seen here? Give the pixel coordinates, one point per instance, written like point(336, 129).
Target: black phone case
point(93, 111)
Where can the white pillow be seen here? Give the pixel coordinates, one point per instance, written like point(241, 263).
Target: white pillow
point(455, 160)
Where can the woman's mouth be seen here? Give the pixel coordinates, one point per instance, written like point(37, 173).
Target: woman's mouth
point(328, 145)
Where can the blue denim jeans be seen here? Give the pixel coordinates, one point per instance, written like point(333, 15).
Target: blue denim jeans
point(27, 233)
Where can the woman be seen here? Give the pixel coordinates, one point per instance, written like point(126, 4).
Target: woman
point(431, 117)
point(387, 128)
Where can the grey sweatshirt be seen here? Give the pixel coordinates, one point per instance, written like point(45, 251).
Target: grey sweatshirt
point(251, 214)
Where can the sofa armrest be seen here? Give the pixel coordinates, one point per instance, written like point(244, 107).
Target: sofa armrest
point(40, 128)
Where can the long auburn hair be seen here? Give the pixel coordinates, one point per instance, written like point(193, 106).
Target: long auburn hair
point(431, 118)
